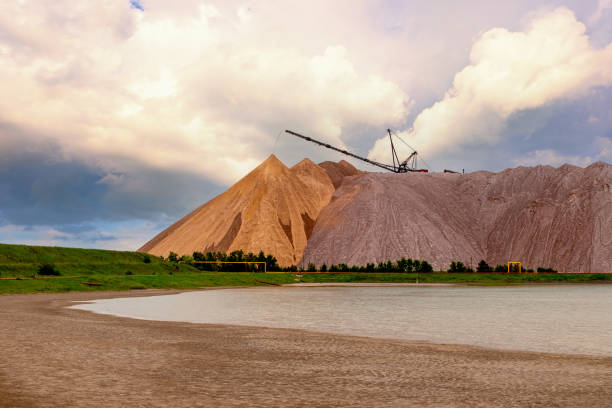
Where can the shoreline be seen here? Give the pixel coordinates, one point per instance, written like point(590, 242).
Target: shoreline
point(56, 356)
point(323, 332)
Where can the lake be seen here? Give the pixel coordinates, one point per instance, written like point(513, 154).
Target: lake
point(571, 319)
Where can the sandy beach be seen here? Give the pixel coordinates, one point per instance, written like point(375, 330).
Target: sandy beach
point(51, 356)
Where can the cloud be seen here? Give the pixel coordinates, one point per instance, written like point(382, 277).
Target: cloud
point(202, 89)
point(113, 113)
point(509, 72)
point(126, 235)
point(605, 146)
point(602, 6)
point(41, 185)
point(551, 158)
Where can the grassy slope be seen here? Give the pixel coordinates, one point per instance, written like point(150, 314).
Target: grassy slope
point(23, 260)
point(109, 268)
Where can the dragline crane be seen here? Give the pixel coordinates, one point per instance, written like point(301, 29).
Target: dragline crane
point(408, 165)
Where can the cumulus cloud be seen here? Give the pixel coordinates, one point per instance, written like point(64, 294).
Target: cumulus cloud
point(195, 90)
point(510, 72)
point(551, 158)
point(554, 158)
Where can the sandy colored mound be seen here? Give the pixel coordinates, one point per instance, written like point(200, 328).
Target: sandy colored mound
point(272, 209)
point(337, 171)
point(540, 216)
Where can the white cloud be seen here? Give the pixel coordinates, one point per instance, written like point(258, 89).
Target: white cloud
point(551, 158)
point(509, 72)
point(605, 148)
point(115, 236)
point(198, 87)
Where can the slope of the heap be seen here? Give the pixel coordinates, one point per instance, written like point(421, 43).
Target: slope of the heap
point(272, 209)
point(337, 171)
point(540, 216)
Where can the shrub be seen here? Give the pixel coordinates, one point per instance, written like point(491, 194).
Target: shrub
point(130, 272)
point(146, 259)
point(48, 269)
point(547, 270)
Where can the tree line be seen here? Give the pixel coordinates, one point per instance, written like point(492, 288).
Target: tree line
point(216, 261)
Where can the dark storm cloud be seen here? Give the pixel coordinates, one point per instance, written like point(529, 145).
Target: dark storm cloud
point(40, 187)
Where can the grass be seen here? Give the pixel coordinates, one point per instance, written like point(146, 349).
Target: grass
point(117, 270)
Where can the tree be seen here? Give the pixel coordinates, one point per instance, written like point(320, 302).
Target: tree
point(173, 257)
point(501, 268)
point(271, 263)
point(312, 267)
point(483, 266)
point(323, 268)
point(424, 267)
point(457, 267)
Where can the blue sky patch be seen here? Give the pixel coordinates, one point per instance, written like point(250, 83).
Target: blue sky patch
point(136, 4)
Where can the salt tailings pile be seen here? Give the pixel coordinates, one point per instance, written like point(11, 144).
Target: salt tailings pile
point(273, 209)
point(540, 216)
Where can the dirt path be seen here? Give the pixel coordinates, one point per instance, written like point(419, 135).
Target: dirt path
point(51, 356)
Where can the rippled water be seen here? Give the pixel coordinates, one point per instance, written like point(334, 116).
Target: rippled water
point(575, 319)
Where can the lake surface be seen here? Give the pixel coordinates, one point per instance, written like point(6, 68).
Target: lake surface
point(573, 319)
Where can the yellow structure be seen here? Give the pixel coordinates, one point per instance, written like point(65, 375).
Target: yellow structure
point(515, 263)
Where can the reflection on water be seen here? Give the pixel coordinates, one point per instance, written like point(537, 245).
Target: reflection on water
point(573, 319)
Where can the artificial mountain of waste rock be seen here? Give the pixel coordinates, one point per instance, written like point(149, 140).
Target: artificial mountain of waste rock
point(272, 209)
point(332, 213)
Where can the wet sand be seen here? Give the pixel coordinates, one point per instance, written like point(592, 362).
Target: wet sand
point(51, 356)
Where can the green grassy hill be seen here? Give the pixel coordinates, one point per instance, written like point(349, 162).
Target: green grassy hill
point(97, 269)
point(24, 260)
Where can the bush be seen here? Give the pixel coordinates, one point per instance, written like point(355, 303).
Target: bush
point(130, 272)
point(146, 259)
point(48, 270)
point(546, 270)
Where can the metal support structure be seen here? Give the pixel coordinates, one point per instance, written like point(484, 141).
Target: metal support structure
point(396, 167)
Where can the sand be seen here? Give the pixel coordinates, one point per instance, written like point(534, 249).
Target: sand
point(51, 356)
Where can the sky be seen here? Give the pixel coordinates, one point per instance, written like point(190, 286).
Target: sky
point(119, 117)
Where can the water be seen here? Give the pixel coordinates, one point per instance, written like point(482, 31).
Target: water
point(572, 319)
